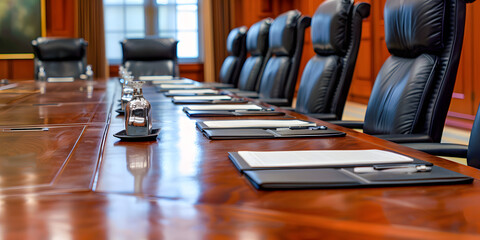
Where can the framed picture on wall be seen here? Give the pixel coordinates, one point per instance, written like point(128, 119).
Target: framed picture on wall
point(21, 21)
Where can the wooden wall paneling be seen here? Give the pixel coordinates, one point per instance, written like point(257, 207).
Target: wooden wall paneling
point(249, 13)
point(380, 38)
point(4, 69)
point(61, 18)
point(266, 6)
point(364, 74)
point(462, 99)
point(476, 52)
point(238, 8)
point(192, 70)
point(281, 6)
point(22, 69)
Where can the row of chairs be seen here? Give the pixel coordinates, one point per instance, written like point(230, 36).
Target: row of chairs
point(67, 57)
point(275, 47)
point(412, 91)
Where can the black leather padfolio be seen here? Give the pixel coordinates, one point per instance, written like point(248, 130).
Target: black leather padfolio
point(345, 177)
point(242, 165)
point(231, 134)
point(234, 113)
point(201, 101)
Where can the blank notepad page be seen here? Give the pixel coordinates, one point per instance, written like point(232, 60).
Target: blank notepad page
point(321, 158)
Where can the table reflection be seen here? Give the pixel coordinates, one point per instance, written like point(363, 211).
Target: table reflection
point(138, 164)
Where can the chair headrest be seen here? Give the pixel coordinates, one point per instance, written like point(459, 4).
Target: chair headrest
point(414, 27)
point(149, 49)
point(257, 37)
point(330, 25)
point(283, 33)
point(235, 40)
point(50, 49)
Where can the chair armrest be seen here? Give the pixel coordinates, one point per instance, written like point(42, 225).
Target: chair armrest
point(440, 149)
point(289, 109)
point(279, 102)
point(230, 90)
point(323, 116)
point(406, 138)
point(218, 85)
point(246, 94)
point(348, 124)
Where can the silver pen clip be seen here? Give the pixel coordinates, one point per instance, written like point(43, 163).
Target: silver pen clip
point(412, 168)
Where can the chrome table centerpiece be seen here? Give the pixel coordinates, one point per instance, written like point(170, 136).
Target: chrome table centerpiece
point(127, 90)
point(138, 121)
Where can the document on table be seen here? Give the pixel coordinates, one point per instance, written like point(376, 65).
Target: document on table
point(60, 79)
point(257, 124)
point(224, 107)
point(176, 82)
point(8, 86)
point(321, 158)
point(196, 91)
point(151, 78)
point(223, 97)
point(180, 86)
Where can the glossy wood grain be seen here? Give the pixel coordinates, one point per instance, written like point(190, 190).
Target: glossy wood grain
point(77, 181)
point(95, 216)
point(35, 156)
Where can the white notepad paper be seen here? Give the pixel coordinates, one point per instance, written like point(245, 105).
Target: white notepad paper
point(9, 86)
point(60, 79)
point(179, 86)
point(150, 78)
point(202, 98)
point(225, 107)
point(196, 91)
point(257, 123)
point(176, 82)
point(321, 158)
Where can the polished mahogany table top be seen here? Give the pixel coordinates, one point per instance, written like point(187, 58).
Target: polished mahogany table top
point(77, 181)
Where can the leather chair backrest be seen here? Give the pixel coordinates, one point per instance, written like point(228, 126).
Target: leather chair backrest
point(150, 56)
point(60, 57)
point(473, 154)
point(336, 33)
point(236, 48)
point(412, 91)
point(257, 46)
point(286, 44)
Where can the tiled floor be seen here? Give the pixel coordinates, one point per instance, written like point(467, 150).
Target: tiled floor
point(356, 111)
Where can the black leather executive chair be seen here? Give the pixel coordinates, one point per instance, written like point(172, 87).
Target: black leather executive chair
point(471, 152)
point(287, 32)
point(232, 65)
point(257, 46)
point(60, 57)
point(150, 56)
point(237, 52)
point(336, 33)
point(412, 92)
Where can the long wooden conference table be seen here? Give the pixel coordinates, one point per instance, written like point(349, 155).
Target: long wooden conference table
point(64, 176)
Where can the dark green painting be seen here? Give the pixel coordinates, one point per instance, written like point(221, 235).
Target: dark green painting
point(21, 21)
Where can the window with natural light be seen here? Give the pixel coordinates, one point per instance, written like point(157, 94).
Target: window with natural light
point(176, 19)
